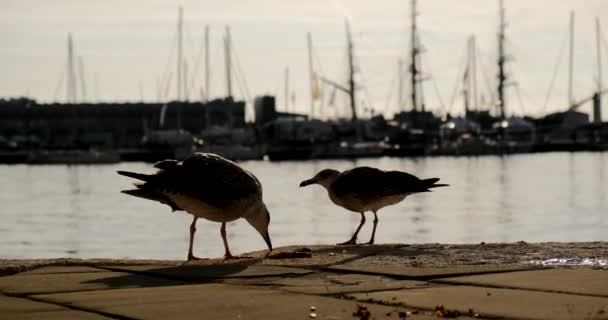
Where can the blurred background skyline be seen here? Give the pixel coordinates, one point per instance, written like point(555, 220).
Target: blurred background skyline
point(126, 48)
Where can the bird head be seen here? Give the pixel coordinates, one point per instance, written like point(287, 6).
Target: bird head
point(259, 218)
point(324, 178)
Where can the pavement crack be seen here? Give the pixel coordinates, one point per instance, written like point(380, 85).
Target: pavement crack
point(418, 277)
point(73, 307)
point(472, 284)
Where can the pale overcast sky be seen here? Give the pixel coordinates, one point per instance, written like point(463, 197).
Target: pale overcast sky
point(125, 45)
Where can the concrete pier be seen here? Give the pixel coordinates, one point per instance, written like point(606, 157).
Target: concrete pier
point(393, 281)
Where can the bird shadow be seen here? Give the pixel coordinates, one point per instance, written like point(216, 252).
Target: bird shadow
point(155, 276)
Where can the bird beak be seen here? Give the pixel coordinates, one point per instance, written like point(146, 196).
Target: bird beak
point(267, 239)
point(307, 182)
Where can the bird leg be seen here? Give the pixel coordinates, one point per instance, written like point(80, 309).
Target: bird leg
point(227, 255)
point(353, 240)
point(371, 241)
point(192, 231)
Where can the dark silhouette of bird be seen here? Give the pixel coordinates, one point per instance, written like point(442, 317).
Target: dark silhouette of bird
point(369, 189)
point(206, 186)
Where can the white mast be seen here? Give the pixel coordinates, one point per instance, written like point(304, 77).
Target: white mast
point(414, 51)
point(311, 75)
point(470, 78)
point(466, 82)
point(185, 84)
point(83, 88)
point(502, 75)
point(96, 86)
point(571, 64)
point(287, 89)
point(71, 78)
point(597, 108)
point(207, 65)
point(179, 54)
point(351, 74)
point(473, 57)
point(228, 63)
point(399, 84)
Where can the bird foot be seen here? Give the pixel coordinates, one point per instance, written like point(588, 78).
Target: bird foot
point(349, 242)
point(193, 258)
point(369, 242)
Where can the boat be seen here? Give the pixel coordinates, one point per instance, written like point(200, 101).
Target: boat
point(237, 144)
point(512, 135)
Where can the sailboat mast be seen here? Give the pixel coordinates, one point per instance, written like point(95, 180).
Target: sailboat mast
point(228, 63)
point(207, 64)
point(311, 75)
point(473, 55)
point(96, 86)
point(466, 81)
point(414, 58)
point(83, 88)
point(571, 61)
point(597, 106)
point(71, 78)
point(470, 78)
point(399, 83)
point(185, 81)
point(351, 74)
point(179, 53)
point(502, 77)
point(287, 89)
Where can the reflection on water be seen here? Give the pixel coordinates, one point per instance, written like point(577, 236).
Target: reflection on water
point(571, 262)
point(78, 211)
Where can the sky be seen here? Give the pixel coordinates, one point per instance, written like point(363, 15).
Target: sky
point(127, 48)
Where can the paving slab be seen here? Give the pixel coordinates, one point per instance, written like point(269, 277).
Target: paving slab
point(327, 283)
point(13, 266)
point(408, 272)
point(212, 271)
point(64, 282)
point(577, 281)
point(62, 269)
point(493, 302)
point(19, 308)
point(220, 301)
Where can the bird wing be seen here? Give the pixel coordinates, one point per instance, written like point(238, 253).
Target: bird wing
point(227, 175)
point(206, 177)
point(368, 183)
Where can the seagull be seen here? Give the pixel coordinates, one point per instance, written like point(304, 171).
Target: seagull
point(369, 189)
point(207, 186)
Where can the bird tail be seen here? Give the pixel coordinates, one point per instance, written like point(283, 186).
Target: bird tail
point(140, 176)
point(432, 183)
point(151, 195)
point(142, 193)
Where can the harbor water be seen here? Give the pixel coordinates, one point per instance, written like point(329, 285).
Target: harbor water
point(51, 211)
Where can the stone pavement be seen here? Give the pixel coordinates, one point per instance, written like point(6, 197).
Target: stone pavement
point(493, 281)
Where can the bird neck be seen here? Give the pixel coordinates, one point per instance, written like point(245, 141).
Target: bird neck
point(327, 182)
point(253, 211)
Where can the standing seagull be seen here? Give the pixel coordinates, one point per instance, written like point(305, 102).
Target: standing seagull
point(368, 189)
point(206, 186)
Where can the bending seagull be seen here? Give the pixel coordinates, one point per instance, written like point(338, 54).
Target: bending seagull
point(206, 186)
point(368, 189)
